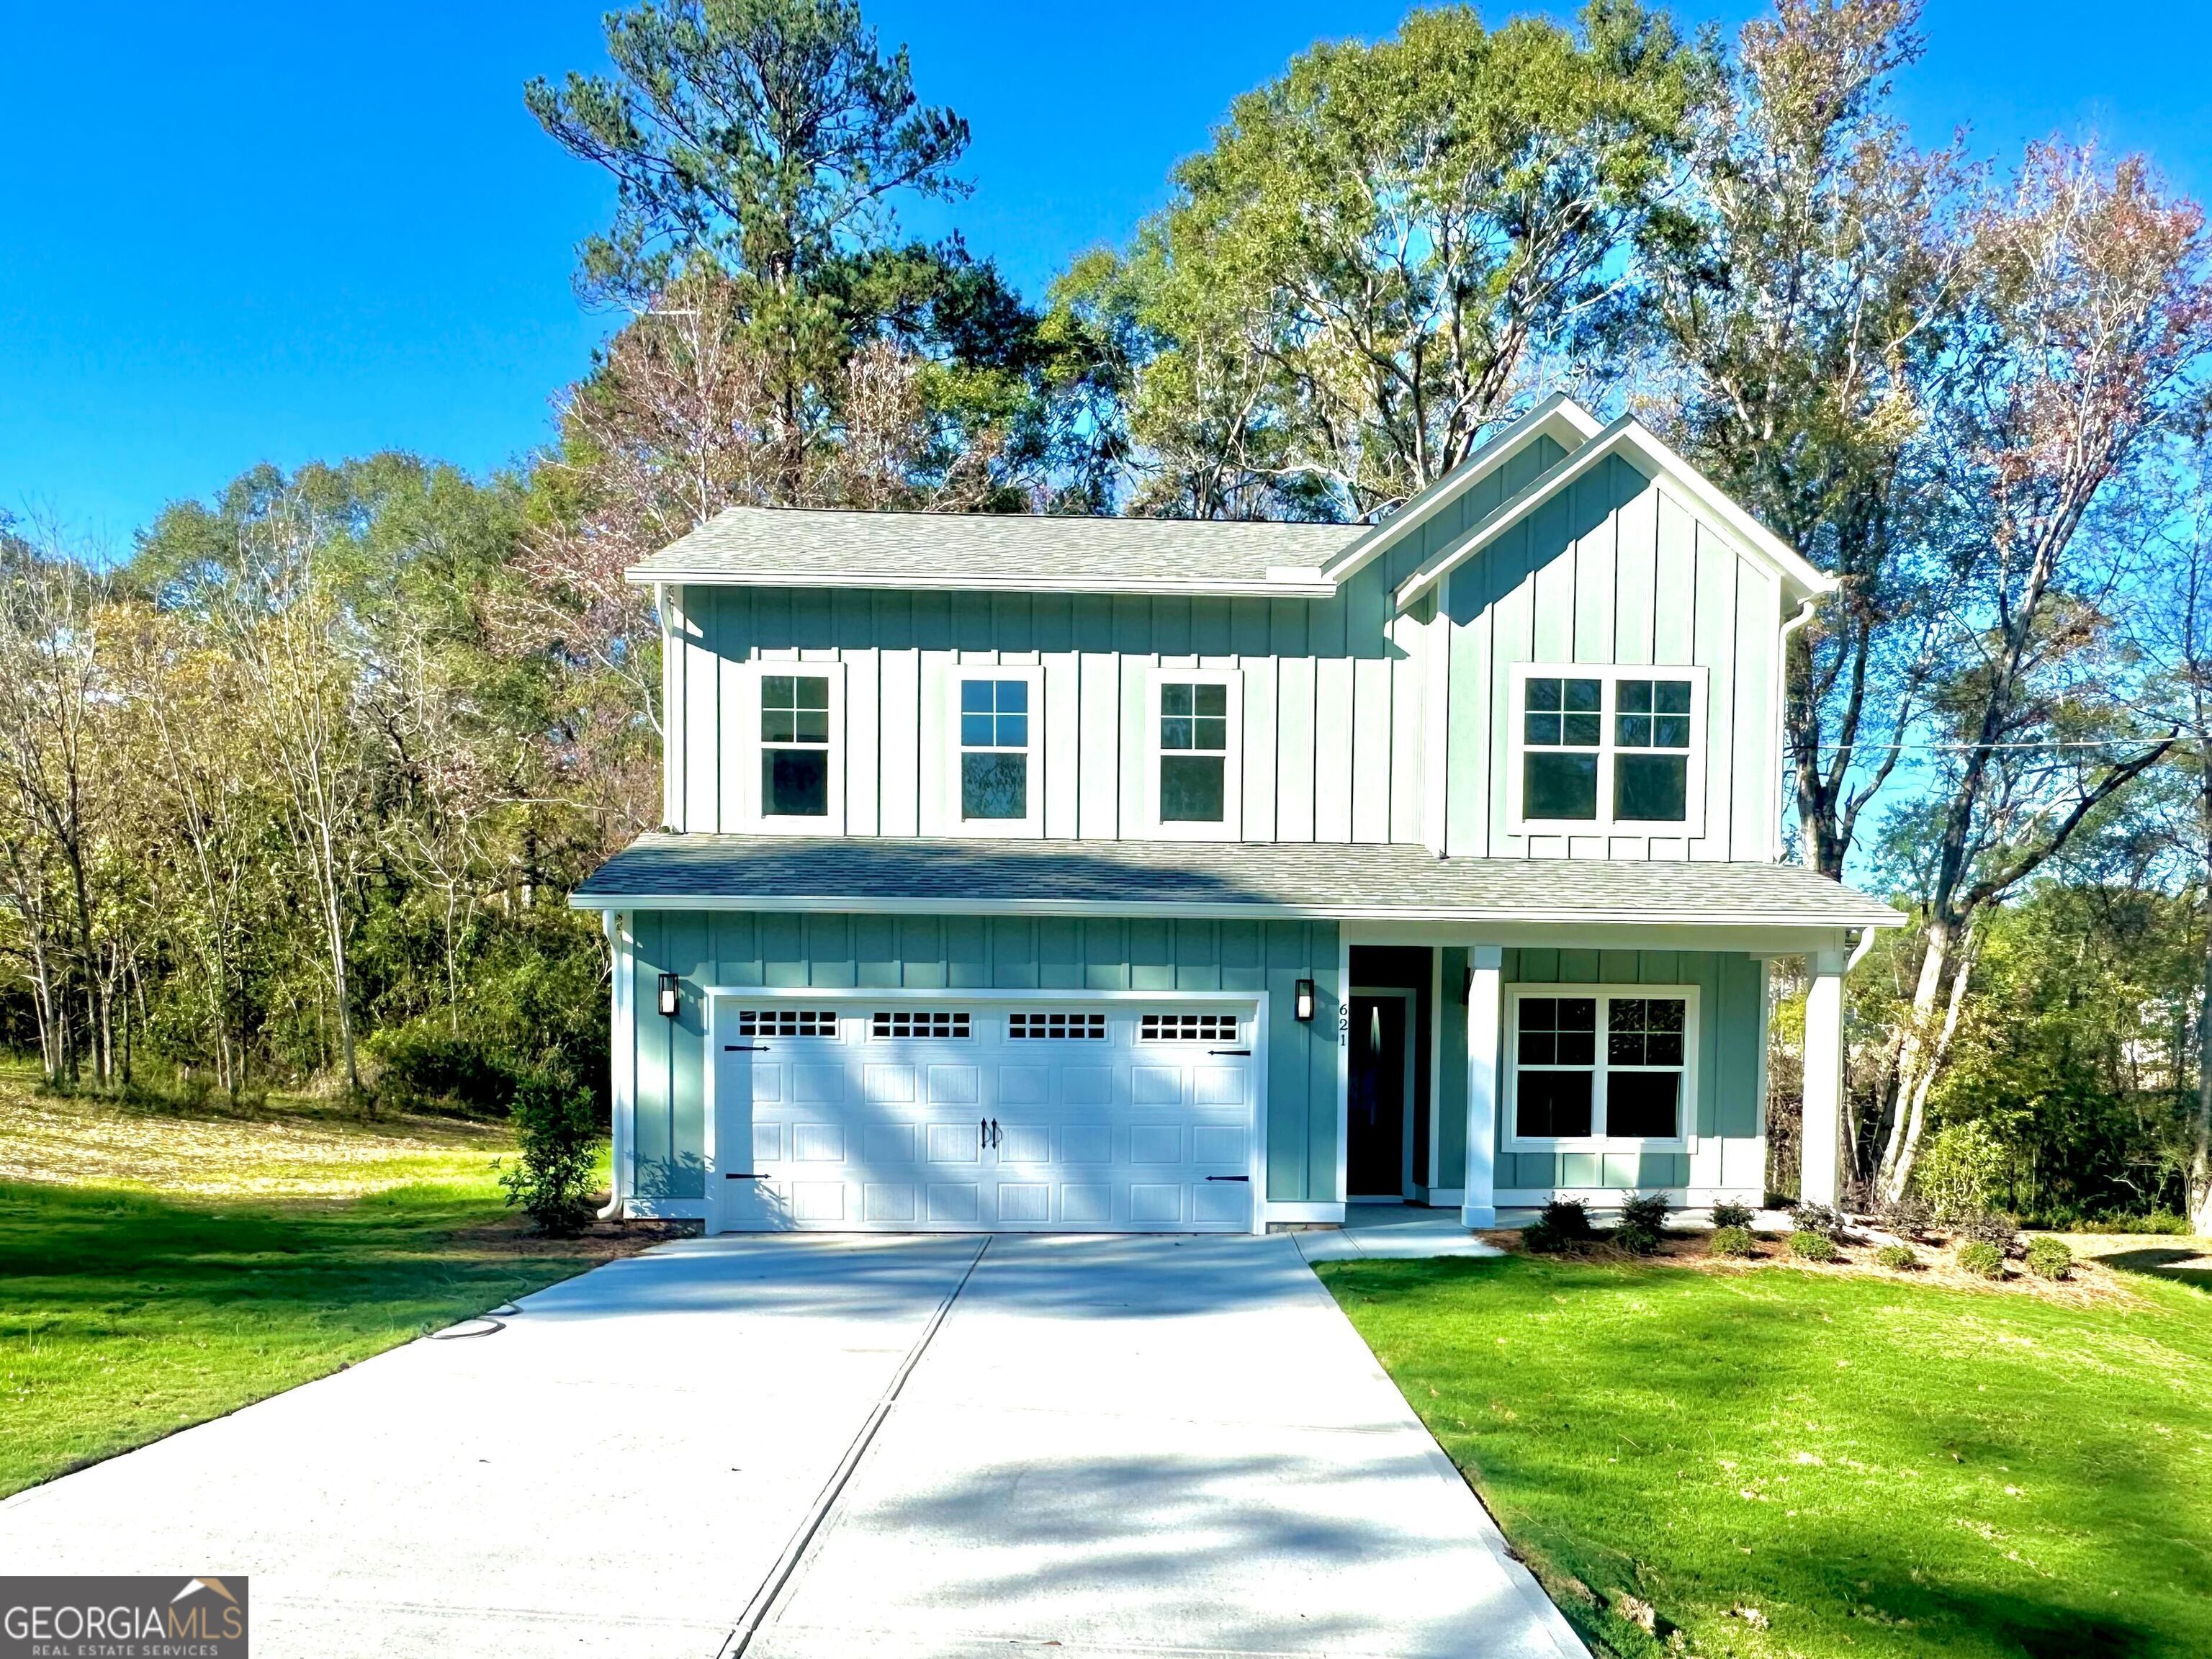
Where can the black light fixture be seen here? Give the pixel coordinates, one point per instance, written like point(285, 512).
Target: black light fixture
point(668, 996)
point(1301, 1003)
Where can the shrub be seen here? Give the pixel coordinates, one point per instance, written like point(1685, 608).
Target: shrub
point(1819, 1218)
point(559, 1136)
point(1567, 1216)
point(1960, 1169)
point(1899, 1256)
point(1646, 1210)
point(1809, 1246)
point(1544, 1238)
point(1738, 1216)
point(1980, 1226)
point(424, 1068)
point(1732, 1241)
point(1635, 1238)
point(1909, 1216)
point(1982, 1259)
point(2050, 1258)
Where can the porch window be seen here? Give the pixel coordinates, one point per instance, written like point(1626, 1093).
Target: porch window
point(794, 745)
point(1608, 751)
point(1594, 1064)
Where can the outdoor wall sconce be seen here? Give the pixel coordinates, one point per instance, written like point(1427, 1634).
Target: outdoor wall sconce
point(668, 996)
point(1301, 1003)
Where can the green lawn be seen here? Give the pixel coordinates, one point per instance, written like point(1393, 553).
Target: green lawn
point(1783, 1463)
point(155, 1271)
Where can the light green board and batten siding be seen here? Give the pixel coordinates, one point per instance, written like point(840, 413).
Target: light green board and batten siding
point(738, 951)
point(846, 952)
point(1339, 696)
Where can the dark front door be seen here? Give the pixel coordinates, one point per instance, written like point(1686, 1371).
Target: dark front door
point(1375, 1150)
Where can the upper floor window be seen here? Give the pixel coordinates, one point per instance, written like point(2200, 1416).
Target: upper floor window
point(1608, 750)
point(795, 746)
point(994, 749)
point(1195, 774)
point(798, 774)
point(994, 752)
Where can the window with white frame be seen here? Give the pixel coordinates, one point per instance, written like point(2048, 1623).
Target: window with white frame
point(1594, 1064)
point(795, 756)
point(1194, 716)
point(996, 723)
point(1608, 750)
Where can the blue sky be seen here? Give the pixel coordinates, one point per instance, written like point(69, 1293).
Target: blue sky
point(286, 233)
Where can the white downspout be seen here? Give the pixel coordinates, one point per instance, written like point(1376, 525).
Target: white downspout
point(618, 1100)
point(1781, 685)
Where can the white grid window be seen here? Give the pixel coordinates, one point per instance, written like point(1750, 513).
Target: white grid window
point(787, 1022)
point(1593, 1065)
point(1187, 1028)
point(922, 1022)
point(1606, 749)
point(1086, 1027)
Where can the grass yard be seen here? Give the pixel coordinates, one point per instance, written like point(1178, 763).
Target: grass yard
point(156, 1271)
point(1776, 1460)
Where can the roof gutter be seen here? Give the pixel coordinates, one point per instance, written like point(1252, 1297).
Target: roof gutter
point(1302, 588)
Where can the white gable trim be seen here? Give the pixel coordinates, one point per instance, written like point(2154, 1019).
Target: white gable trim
point(1559, 417)
point(1671, 472)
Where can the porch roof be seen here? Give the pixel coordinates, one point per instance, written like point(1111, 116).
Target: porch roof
point(1258, 879)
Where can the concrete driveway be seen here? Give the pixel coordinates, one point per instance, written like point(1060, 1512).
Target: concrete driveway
point(831, 1446)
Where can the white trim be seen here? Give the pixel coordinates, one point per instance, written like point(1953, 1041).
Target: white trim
point(1609, 676)
point(743, 751)
point(1231, 825)
point(1298, 587)
point(950, 677)
point(1744, 533)
point(1598, 1141)
point(1436, 1064)
point(665, 1209)
point(1342, 1184)
point(1559, 417)
point(1262, 1063)
point(1610, 1198)
point(1307, 1214)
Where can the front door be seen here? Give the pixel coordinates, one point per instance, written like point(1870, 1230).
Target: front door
point(1376, 1154)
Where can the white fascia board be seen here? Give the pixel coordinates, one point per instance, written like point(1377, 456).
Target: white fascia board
point(1199, 909)
point(1668, 471)
point(1566, 422)
point(1299, 588)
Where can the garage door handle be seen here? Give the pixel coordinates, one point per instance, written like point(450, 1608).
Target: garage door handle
point(1229, 1051)
point(745, 1047)
point(1229, 1178)
point(732, 1174)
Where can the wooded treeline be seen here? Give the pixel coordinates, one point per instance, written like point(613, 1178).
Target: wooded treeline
point(292, 794)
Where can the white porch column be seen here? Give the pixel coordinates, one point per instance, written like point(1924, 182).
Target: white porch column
point(1820, 1141)
point(1478, 1207)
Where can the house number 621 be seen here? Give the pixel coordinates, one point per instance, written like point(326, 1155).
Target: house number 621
point(1343, 1024)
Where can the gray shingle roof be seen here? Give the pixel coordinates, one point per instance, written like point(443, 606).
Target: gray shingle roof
point(907, 549)
point(1216, 879)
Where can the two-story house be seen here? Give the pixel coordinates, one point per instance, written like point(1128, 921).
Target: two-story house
point(1141, 874)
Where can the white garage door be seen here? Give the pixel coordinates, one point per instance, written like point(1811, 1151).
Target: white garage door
point(970, 1116)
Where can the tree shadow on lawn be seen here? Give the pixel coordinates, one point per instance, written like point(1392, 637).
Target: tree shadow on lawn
point(2175, 1266)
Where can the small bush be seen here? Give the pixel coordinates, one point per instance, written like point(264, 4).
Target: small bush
point(1634, 1238)
point(1733, 1241)
point(1819, 1218)
point(1738, 1215)
point(1960, 1168)
point(1569, 1218)
point(1809, 1246)
point(559, 1137)
point(1898, 1256)
point(2159, 1221)
point(1649, 1210)
point(1982, 1227)
point(2050, 1258)
point(1544, 1239)
point(1909, 1216)
point(1982, 1259)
